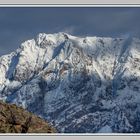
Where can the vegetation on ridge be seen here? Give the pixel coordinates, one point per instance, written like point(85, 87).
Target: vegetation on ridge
point(14, 119)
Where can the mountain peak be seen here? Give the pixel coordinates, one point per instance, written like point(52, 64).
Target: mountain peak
point(71, 81)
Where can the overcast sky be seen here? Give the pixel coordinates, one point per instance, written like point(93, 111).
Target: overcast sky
point(20, 24)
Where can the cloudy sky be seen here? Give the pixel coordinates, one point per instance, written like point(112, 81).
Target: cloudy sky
point(20, 24)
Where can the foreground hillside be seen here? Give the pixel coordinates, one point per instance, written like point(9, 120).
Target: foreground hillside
point(16, 120)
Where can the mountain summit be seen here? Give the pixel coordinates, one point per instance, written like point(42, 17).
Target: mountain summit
point(78, 84)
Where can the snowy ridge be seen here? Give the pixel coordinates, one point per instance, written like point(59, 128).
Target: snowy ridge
point(78, 84)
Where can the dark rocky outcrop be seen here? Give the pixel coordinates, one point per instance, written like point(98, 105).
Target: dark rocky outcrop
point(14, 119)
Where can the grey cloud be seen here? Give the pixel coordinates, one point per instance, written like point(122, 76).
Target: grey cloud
point(20, 24)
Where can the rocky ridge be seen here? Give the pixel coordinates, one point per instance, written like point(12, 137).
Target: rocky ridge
point(17, 120)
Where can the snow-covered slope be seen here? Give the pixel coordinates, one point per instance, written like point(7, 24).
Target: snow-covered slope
point(78, 84)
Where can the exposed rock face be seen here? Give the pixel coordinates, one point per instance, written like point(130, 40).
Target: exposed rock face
point(16, 120)
point(77, 84)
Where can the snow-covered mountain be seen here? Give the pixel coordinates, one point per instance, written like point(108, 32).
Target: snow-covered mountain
point(89, 84)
